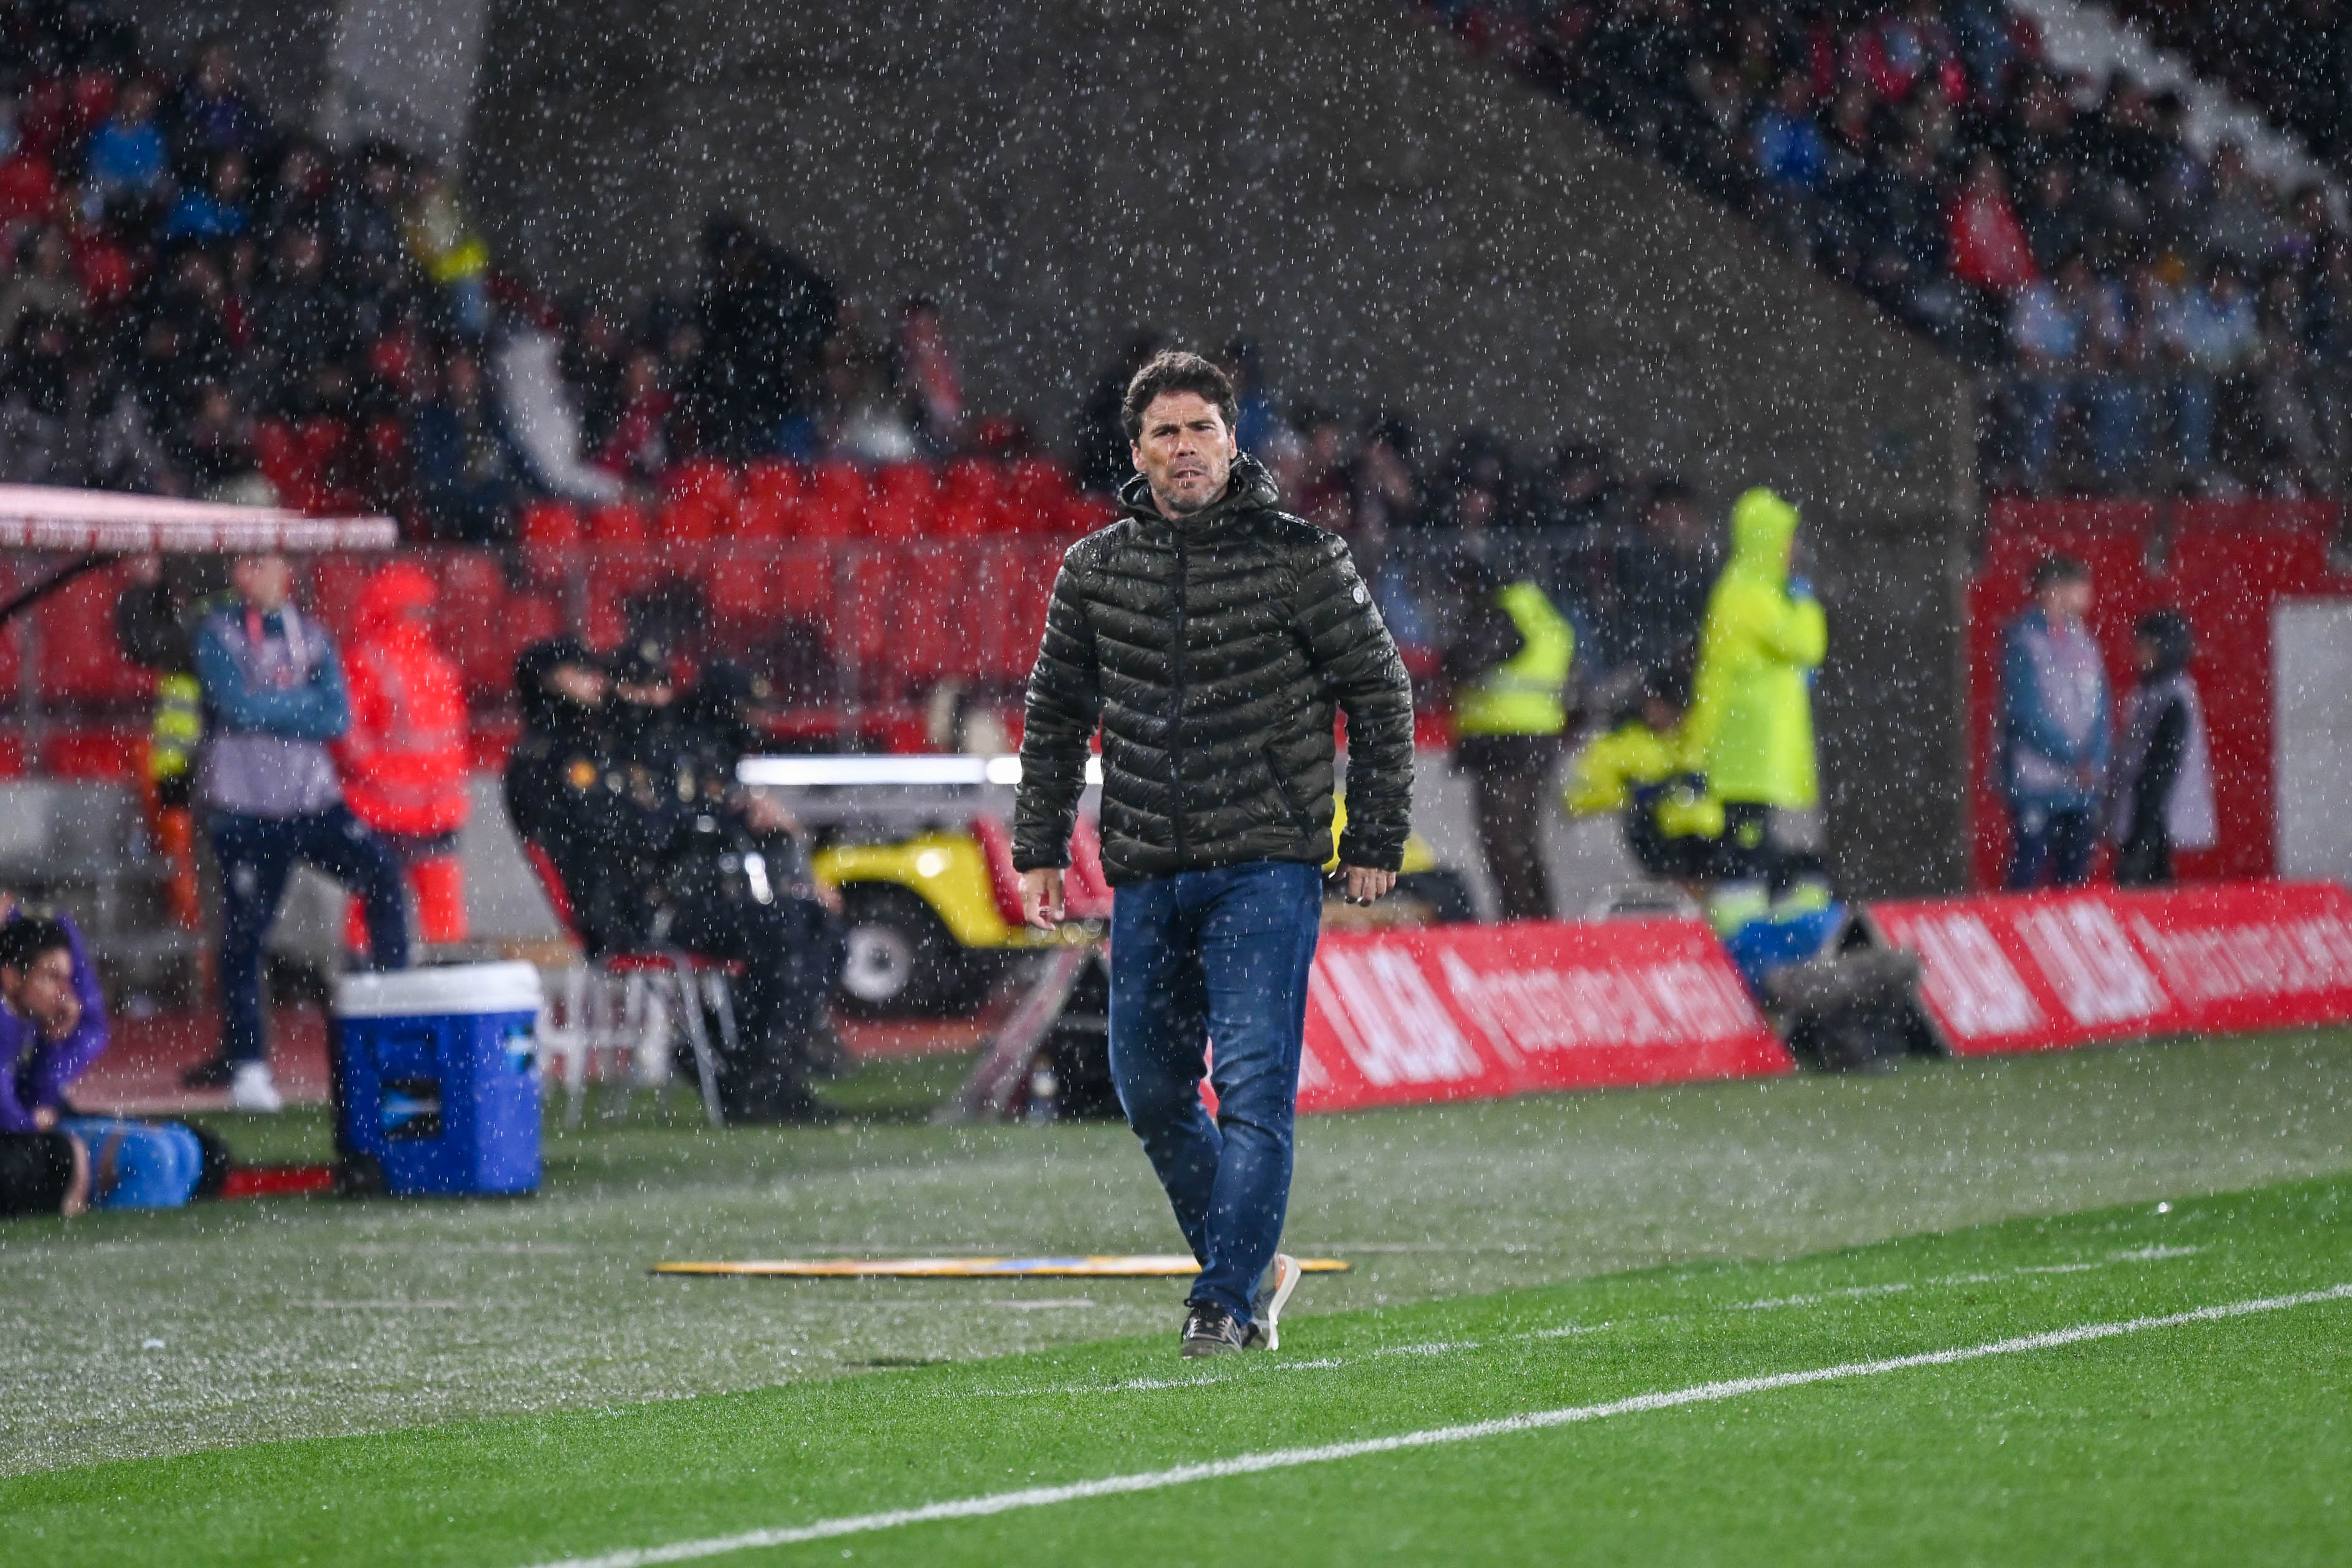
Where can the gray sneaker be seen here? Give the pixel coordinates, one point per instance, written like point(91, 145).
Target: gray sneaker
point(1282, 1277)
point(1210, 1330)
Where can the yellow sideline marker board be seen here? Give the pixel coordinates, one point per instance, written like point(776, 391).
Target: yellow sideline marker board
point(1146, 1265)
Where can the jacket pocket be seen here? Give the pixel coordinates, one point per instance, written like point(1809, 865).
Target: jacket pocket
point(1287, 795)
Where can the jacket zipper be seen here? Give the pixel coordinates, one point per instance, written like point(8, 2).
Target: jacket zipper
point(1176, 718)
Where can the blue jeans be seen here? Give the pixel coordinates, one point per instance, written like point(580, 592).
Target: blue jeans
point(2055, 841)
point(257, 854)
point(1218, 955)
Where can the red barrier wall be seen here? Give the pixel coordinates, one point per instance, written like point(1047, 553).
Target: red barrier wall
point(2225, 565)
point(2045, 971)
point(1479, 1012)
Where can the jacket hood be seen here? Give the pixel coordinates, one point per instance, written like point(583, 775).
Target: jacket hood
point(1762, 525)
point(1251, 488)
point(394, 592)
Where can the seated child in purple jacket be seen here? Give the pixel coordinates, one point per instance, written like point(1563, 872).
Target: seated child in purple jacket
point(52, 1026)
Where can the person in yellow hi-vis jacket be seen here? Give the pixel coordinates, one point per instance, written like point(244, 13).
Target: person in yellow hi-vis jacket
point(1510, 670)
point(1632, 770)
point(1749, 729)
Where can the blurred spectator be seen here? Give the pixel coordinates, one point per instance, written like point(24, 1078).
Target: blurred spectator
point(1509, 668)
point(127, 159)
point(1750, 727)
point(924, 370)
point(66, 420)
point(469, 473)
point(763, 317)
point(300, 319)
point(636, 447)
point(1989, 247)
point(407, 754)
point(214, 209)
point(1104, 462)
point(274, 700)
point(210, 111)
point(1661, 577)
point(2053, 729)
point(1258, 425)
point(53, 1024)
point(452, 256)
point(2212, 336)
point(43, 283)
point(2162, 795)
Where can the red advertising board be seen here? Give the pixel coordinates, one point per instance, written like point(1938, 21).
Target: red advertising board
point(2043, 971)
point(1478, 1012)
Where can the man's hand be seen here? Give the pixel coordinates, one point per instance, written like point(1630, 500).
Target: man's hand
point(1365, 884)
point(767, 816)
point(1041, 898)
point(44, 1118)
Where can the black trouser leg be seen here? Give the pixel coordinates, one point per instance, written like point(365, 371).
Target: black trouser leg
point(1509, 803)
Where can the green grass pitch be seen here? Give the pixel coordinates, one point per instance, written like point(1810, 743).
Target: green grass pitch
point(1742, 1222)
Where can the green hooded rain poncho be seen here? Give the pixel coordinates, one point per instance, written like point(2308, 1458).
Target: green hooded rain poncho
point(1749, 728)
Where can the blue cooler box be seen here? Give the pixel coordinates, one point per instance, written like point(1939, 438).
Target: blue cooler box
point(440, 1085)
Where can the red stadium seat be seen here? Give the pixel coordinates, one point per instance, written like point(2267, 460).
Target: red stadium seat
point(737, 583)
point(905, 496)
point(469, 624)
point(774, 477)
point(619, 522)
point(971, 497)
point(801, 583)
point(693, 517)
point(764, 516)
point(704, 479)
point(1038, 496)
point(550, 523)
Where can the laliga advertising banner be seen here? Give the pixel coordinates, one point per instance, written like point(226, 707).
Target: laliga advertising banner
point(2034, 971)
point(1477, 1012)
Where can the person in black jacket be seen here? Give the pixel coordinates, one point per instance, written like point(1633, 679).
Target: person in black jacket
point(610, 785)
point(2162, 793)
point(1210, 638)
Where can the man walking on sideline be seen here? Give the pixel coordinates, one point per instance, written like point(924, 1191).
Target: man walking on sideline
point(1210, 638)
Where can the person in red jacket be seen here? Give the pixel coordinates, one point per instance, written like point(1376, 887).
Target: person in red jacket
point(407, 756)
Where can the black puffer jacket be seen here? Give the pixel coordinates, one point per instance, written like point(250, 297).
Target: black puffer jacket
point(1212, 652)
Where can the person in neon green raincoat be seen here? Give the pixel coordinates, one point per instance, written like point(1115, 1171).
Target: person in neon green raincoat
point(1749, 729)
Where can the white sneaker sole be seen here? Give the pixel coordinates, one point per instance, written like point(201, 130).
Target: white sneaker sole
point(1286, 1275)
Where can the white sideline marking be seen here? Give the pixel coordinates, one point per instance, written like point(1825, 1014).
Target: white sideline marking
point(1535, 1420)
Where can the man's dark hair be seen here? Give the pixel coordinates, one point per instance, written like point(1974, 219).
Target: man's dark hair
point(24, 940)
point(2053, 570)
point(1173, 370)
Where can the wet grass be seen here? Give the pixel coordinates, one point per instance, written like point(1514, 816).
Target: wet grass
point(234, 1324)
point(2218, 1441)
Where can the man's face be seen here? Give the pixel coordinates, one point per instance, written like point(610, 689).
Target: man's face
point(264, 581)
point(583, 683)
point(1186, 452)
point(2066, 601)
point(43, 990)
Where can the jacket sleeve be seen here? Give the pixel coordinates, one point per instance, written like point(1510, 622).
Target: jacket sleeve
point(1064, 708)
point(314, 711)
point(1798, 632)
point(1351, 649)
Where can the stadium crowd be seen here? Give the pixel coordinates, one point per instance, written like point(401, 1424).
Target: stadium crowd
point(2158, 320)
